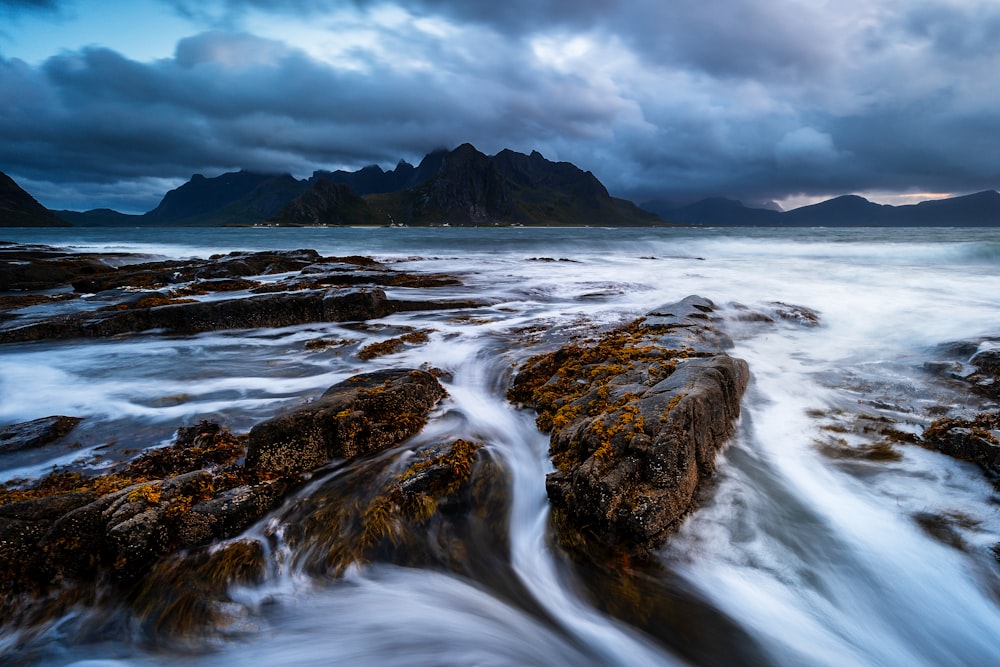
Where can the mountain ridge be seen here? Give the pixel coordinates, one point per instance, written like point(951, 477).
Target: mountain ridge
point(465, 187)
point(980, 209)
point(20, 209)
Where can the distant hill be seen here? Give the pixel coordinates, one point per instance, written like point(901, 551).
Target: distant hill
point(714, 212)
point(101, 217)
point(977, 210)
point(19, 209)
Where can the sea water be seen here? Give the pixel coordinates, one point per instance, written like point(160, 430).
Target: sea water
point(820, 559)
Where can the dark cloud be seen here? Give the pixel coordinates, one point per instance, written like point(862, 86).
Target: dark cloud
point(749, 98)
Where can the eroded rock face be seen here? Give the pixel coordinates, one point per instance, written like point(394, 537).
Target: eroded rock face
point(361, 415)
point(636, 420)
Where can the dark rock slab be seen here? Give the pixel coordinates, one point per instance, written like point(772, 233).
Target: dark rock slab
point(636, 420)
point(35, 433)
point(268, 310)
point(364, 414)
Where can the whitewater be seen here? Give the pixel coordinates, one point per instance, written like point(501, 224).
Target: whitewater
point(813, 553)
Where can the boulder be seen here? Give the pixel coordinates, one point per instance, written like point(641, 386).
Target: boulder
point(364, 414)
point(636, 419)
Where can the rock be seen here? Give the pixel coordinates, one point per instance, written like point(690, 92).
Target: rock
point(974, 440)
point(636, 420)
point(986, 376)
point(362, 415)
point(268, 310)
point(35, 433)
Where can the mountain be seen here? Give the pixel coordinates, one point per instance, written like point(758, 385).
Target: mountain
point(714, 212)
point(234, 198)
point(976, 210)
point(850, 210)
point(981, 209)
point(372, 180)
point(19, 209)
point(509, 188)
point(326, 203)
point(101, 217)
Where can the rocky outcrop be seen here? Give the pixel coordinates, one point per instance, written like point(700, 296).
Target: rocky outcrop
point(636, 419)
point(165, 296)
point(67, 531)
point(361, 415)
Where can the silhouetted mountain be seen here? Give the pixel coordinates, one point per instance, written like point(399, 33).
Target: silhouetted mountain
point(981, 209)
point(373, 180)
point(977, 210)
point(326, 203)
point(849, 210)
point(717, 211)
point(471, 188)
point(202, 195)
point(19, 209)
point(101, 217)
point(240, 197)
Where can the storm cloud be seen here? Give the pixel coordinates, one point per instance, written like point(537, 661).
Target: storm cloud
point(754, 99)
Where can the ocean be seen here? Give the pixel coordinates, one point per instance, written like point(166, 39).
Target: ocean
point(819, 554)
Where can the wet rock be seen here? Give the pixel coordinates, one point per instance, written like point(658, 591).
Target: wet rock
point(974, 440)
point(776, 311)
point(232, 265)
point(636, 420)
point(35, 433)
point(269, 310)
point(986, 376)
point(421, 512)
point(364, 414)
point(38, 270)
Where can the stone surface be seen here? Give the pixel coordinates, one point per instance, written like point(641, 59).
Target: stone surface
point(364, 414)
point(35, 433)
point(636, 420)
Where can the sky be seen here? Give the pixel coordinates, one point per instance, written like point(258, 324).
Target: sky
point(110, 103)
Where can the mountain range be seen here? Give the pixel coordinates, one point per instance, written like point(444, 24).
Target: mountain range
point(981, 209)
point(458, 187)
point(466, 187)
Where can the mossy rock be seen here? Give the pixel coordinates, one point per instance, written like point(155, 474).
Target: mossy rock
point(365, 414)
point(636, 418)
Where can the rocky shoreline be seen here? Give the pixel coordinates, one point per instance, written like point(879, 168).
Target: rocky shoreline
point(635, 418)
